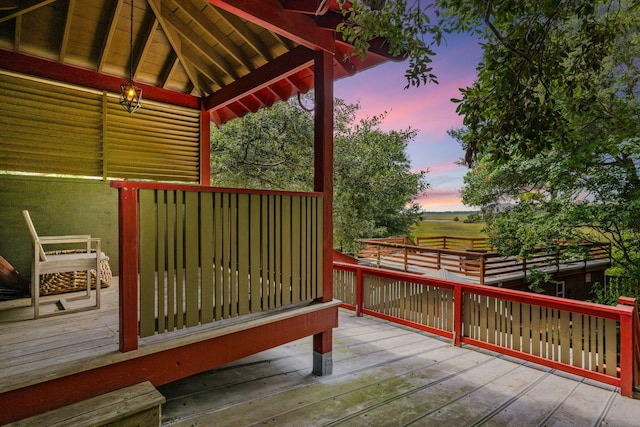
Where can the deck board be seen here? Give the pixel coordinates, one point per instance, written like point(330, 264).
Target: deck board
point(388, 375)
point(384, 375)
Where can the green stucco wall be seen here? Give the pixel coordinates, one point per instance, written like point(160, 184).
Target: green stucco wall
point(58, 206)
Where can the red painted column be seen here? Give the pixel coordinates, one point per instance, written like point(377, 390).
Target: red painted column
point(205, 146)
point(457, 314)
point(627, 345)
point(323, 182)
point(128, 282)
point(359, 291)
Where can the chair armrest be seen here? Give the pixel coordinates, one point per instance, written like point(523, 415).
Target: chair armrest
point(51, 240)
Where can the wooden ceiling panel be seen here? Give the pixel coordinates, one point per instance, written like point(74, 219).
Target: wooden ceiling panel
point(186, 46)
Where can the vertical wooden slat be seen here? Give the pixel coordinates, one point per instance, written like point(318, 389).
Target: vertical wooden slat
point(610, 351)
point(272, 252)
point(600, 332)
point(233, 243)
point(535, 330)
point(147, 258)
point(525, 320)
point(516, 326)
point(491, 317)
point(243, 254)
point(296, 284)
point(180, 279)
point(483, 317)
point(171, 260)
point(161, 232)
point(226, 255)
point(593, 348)
point(255, 248)
point(264, 244)
point(277, 226)
point(286, 250)
point(576, 339)
point(565, 336)
point(319, 259)
point(219, 256)
point(206, 257)
point(305, 291)
point(191, 257)
point(307, 248)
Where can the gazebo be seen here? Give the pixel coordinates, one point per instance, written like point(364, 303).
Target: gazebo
point(187, 255)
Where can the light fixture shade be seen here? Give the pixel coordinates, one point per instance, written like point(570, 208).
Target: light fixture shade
point(130, 96)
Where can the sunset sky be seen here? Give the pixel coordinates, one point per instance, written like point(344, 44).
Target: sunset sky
point(427, 109)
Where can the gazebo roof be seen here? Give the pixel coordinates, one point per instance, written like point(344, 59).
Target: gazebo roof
point(238, 56)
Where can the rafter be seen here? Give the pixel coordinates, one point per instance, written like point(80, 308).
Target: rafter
point(108, 39)
point(174, 40)
point(25, 6)
point(271, 15)
point(149, 30)
point(298, 83)
point(196, 41)
point(285, 65)
point(67, 30)
point(245, 34)
point(206, 25)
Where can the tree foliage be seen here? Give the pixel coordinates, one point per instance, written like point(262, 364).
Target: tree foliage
point(553, 122)
point(373, 183)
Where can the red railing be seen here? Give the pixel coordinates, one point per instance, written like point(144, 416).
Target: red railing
point(595, 341)
point(192, 255)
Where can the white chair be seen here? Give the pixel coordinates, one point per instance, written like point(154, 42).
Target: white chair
point(86, 259)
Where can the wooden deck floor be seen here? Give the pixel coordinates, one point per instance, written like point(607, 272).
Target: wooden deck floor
point(387, 375)
point(384, 374)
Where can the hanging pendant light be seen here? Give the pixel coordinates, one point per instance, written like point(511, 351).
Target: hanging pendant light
point(130, 94)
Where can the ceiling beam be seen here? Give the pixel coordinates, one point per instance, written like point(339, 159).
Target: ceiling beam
point(30, 65)
point(25, 6)
point(66, 31)
point(108, 38)
point(197, 42)
point(283, 66)
point(245, 34)
point(205, 24)
point(271, 15)
point(149, 29)
point(175, 42)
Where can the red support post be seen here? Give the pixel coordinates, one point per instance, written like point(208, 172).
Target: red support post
point(128, 281)
point(323, 182)
point(205, 146)
point(457, 315)
point(359, 292)
point(627, 344)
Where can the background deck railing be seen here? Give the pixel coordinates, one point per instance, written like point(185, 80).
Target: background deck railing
point(594, 341)
point(468, 257)
point(202, 254)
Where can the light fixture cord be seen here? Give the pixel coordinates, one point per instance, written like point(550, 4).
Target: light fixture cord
point(131, 44)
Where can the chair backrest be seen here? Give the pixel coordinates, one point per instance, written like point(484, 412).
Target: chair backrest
point(34, 235)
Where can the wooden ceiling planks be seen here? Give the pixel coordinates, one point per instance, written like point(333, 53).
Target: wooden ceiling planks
point(201, 48)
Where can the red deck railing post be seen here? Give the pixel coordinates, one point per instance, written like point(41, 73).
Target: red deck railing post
point(628, 339)
point(457, 314)
point(128, 281)
point(359, 292)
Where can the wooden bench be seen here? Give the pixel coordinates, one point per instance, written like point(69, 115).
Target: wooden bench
point(136, 405)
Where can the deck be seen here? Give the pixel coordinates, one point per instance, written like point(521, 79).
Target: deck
point(387, 375)
point(384, 374)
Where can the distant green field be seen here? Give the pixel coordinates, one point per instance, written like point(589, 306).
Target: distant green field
point(444, 225)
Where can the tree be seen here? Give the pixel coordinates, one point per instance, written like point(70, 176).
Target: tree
point(373, 183)
point(553, 122)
